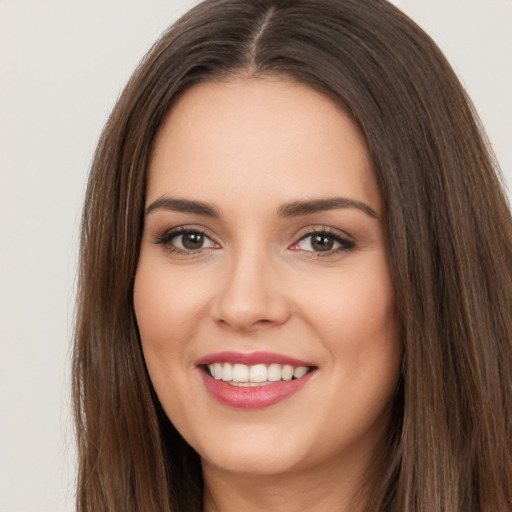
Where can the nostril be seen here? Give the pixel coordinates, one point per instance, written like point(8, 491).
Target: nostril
point(246, 325)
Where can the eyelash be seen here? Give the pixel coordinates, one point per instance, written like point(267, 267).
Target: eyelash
point(164, 239)
point(346, 244)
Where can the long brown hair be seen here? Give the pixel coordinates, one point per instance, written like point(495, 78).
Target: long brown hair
point(449, 234)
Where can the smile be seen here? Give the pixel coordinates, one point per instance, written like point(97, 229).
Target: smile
point(253, 381)
point(256, 375)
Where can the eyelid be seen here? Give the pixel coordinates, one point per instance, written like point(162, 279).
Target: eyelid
point(346, 241)
point(164, 237)
point(320, 229)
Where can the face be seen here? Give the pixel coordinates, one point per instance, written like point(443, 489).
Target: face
point(263, 295)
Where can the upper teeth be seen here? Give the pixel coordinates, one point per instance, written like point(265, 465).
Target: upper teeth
point(258, 373)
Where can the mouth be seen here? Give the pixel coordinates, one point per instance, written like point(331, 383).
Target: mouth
point(243, 375)
point(253, 381)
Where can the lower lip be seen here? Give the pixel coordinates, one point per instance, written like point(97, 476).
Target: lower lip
point(257, 397)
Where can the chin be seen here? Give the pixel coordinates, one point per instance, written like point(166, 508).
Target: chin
point(257, 449)
point(255, 458)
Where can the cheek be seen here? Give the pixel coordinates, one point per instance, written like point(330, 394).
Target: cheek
point(355, 308)
point(168, 316)
point(168, 312)
point(355, 319)
point(167, 308)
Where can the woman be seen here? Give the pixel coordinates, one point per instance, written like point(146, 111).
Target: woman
point(295, 286)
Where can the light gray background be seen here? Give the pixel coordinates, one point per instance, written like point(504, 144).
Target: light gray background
point(62, 66)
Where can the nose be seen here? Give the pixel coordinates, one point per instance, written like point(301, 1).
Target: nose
point(252, 295)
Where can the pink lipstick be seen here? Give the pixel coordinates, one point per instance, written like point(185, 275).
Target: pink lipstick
point(253, 380)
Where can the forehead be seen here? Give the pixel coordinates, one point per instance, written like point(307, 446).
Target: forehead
point(271, 137)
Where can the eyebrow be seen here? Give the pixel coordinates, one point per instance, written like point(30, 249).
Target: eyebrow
point(183, 205)
point(297, 208)
point(293, 209)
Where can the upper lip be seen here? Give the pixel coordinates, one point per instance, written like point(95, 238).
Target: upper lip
point(250, 358)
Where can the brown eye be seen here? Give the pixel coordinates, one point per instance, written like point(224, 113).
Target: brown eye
point(322, 242)
point(192, 241)
point(187, 241)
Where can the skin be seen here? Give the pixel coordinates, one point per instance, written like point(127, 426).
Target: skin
point(246, 147)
